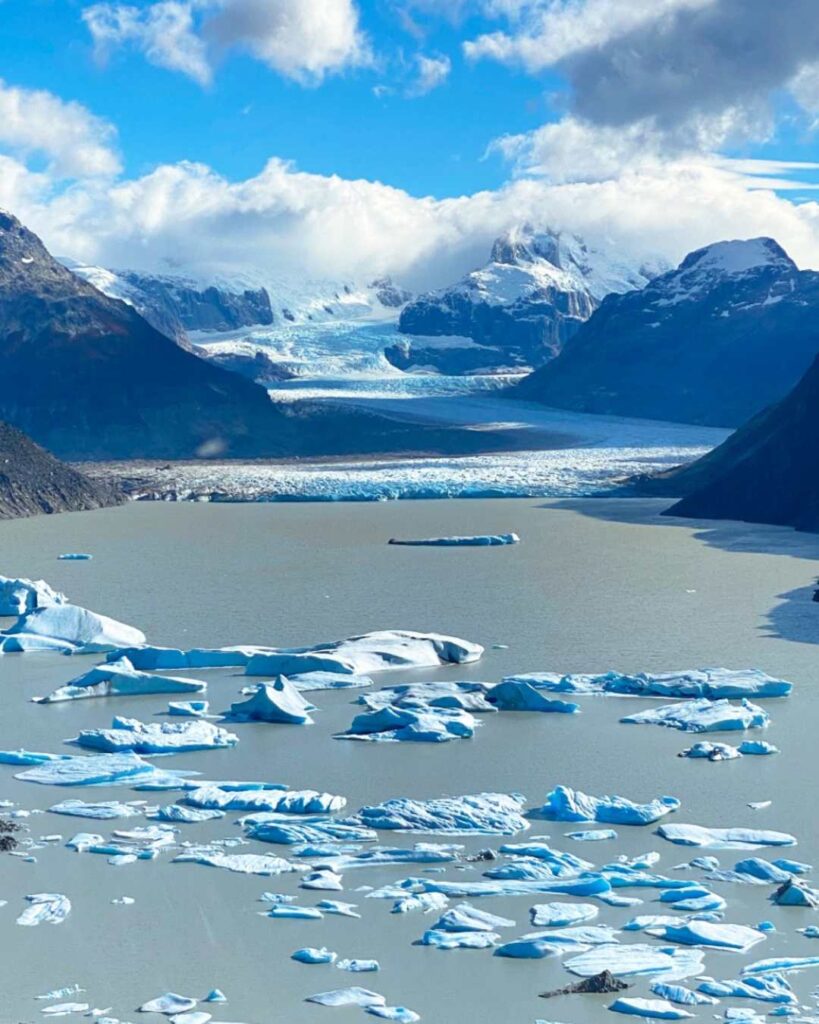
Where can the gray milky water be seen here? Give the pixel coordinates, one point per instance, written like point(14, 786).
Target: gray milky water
point(595, 585)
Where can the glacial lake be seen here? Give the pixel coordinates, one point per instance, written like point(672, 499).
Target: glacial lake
point(596, 584)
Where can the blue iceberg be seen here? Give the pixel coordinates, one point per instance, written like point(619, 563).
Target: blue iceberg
point(120, 679)
point(723, 838)
point(129, 734)
point(311, 955)
point(480, 814)
point(516, 695)
point(564, 804)
point(649, 1009)
point(20, 596)
point(87, 631)
point(559, 915)
point(703, 716)
point(279, 701)
point(478, 541)
point(712, 683)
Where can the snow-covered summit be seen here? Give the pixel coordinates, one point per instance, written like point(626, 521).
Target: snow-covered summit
point(738, 256)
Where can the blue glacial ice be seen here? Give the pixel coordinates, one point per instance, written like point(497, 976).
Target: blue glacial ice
point(556, 862)
point(648, 1009)
point(559, 915)
point(338, 908)
point(713, 683)
point(149, 657)
point(75, 556)
point(458, 940)
point(485, 540)
point(585, 885)
point(770, 988)
point(466, 918)
point(25, 643)
point(680, 994)
point(427, 902)
point(119, 679)
point(105, 770)
point(795, 893)
point(188, 708)
point(183, 815)
point(30, 757)
point(564, 804)
point(348, 997)
point(479, 814)
point(290, 833)
point(371, 652)
point(762, 869)
point(324, 879)
point(87, 631)
point(64, 1009)
point(278, 701)
point(294, 913)
point(669, 963)
point(430, 725)
point(778, 964)
point(263, 864)
point(711, 751)
point(129, 734)
point(703, 716)
point(530, 949)
point(358, 966)
point(307, 801)
point(517, 695)
point(397, 1013)
point(758, 747)
point(19, 596)
point(45, 908)
point(715, 935)
point(312, 955)
point(106, 809)
point(723, 838)
point(307, 681)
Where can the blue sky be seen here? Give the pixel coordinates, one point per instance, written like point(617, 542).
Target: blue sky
point(304, 136)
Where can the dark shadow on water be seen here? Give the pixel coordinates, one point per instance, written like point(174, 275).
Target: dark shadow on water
point(795, 618)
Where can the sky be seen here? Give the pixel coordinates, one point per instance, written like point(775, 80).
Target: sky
point(354, 138)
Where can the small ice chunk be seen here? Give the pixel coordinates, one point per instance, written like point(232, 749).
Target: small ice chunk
point(168, 1004)
point(323, 878)
point(752, 747)
point(292, 912)
point(649, 1009)
point(397, 1013)
point(242, 863)
point(466, 918)
point(478, 541)
point(723, 838)
point(530, 949)
point(75, 556)
point(592, 835)
point(348, 997)
point(565, 804)
point(65, 1009)
point(558, 915)
point(516, 695)
point(123, 901)
point(338, 907)
point(216, 995)
point(794, 893)
point(711, 751)
point(703, 716)
point(195, 1017)
point(188, 708)
point(279, 701)
point(45, 908)
point(358, 966)
point(312, 955)
point(760, 805)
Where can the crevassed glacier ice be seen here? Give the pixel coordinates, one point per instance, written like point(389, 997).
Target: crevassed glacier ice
point(371, 652)
point(129, 734)
point(769, 988)
point(481, 813)
point(307, 801)
point(119, 679)
point(648, 1009)
point(183, 815)
point(703, 715)
point(712, 683)
point(565, 804)
point(88, 631)
point(723, 838)
point(468, 696)
point(477, 541)
point(19, 596)
point(278, 701)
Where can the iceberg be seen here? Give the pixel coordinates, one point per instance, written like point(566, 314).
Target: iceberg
point(458, 940)
point(279, 701)
point(757, 747)
point(592, 835)
point(681, 994)
point(480, 814)
point(23, 643)
point(703, 716)
point(723, 838)
point(794, 893)
point(183, 815)
point(107, 809)
point(294, 913)
point(558, 915)
point(348, 997)
point(776, 965)
point(671, 964)
point(762, 869)
point(129, 734)
point(396, 1013)
point(564, 804)
point(311, 955)
point(45, 908)
point(584, 885)
point(371, 652)
point(649, 1009)
point(711, 751)
point(306, 801)
point(709, 934)
point(486, 540)
point(241, 863)
point(88, 631)
point(358, 966)
point(20, 596)
point(516, 695)
point(424, 901)
point(315, 833)
point(119, 679)
point(149, 657)
point(337, 907)
point(188, 708)
point(468, 696)
point(169, 1004)
point(104, 770)
point(430, 725)
point(75, 556)
point(465, 918)
point(556, 862)
point(771, 988)
point(712, 683)
point(324, 879)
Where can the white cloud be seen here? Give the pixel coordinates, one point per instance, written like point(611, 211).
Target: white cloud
point(431, 72)
point(73, 140)
point(304, 40)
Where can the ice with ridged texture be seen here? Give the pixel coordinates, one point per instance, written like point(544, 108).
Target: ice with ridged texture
point(105, 810)
point(150, 657)
point(183, 815)
point(294, 913)
point(119, 679)
point(565, 804)
point(428, 725)
point(643, 921)
point(315, 833)
point(371, 652)
point(45, 908)
point(312, 955)
point(516, 695)
point(771, 988)
point(649, 1009)
point(762, 869)
point(338, 908)
point(556, 862)
point(75, 556)
point(777, 964)
point(703, 716)
point(348, 997)
point(479, 814)
point(559, 915)
point(241, 863)
point(279, 701)
point(669, 963)
point(420, 853)
point(23, 643)
point(19, 596)
point(484, 540)
point(397, 1013)
point(584, 885)
point(168, 1004)
point(307, 681)
point(458, 940)
point(723, 838)
point(681, 994)
point(129, 734)
point(104, 770)
point(465, 918)
point(88, 631)
point(306, 801)
point(709, 934)
point(424, 901)
point(323, 879)
point(30, 757)
point(468, 696)
point(711, 751)
point(713, 683)
point(592, 835)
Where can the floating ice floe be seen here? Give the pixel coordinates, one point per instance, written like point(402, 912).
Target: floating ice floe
point(592, 835)
point(668, 963)
point(468, 696)
point(290, 833)
point(74, 556)
point(348, 997)
point(794, 893)
point(723, 838)
point(758, 747)
point(465, 918)
point(324, 879)
point(565, 804)
point(168, 1004)
point(591, 884)
point(430, 725)
point(19, 596)
point(771, 988)
point(458, 940)
point(253, 799)
point(65, 1009)
point(709, 934)
point(560, 915)
point(485, 540)
point(312, 955)
point(649, 1009)
point(188, 708)
point(338, 908)
point(777, 965)
point(279, 701)
point(397, 1013)
point(517, 695)
point(45, 908)
point(711, 751)
point(87, 631)
point(129, 734)
point(703, 716)
point(103, 770)
point(26, 643)
point(184, 815)
point(358, 966)
point(554, 862)
point(292, 912)
point(263, 864)
point(427, 902)
point(712, 683)
point(680, 994)
point(107, 809)
point(150, 657)
point(371, 652)
point(530, 949)
point(481, 814)
point(119, 679)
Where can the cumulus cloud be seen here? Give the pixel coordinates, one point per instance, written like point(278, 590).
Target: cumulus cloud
point(430, 73)
point(73, 140)
point(304, 40)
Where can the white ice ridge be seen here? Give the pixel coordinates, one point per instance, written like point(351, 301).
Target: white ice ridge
point(120, 679)
point(703, 716)
point(19, 596)
point(711, 683)
point(723, 838)
point(486, 540)
point(565, 804)
point(480, 814)
point(254, 800)
point(129, 734)
point(86, 632)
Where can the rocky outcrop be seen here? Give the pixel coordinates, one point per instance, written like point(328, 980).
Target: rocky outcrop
point(713, 342)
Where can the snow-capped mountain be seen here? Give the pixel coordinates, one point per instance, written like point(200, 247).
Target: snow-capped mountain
point(518, 310)
point(714, 341)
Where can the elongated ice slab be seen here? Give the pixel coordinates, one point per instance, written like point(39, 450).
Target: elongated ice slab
point(188, 708)
point(713, 683)
point(129, 734)
point(703, 716)
point(103, 770)
point(426, 725)
point(770, 988)
point(307, 801)
point(707, 933)
point(397, 1013)
point(279, 701)
point(778, 964)
point(88, 631)
point(723, 838)
point(107, 809)
point(670, 963)
point(558, 915)
point(119, 679)
point(19, 596)
point(649, 1009)
point(313, 955)
point(680, 994)
point(293, 833)
point(485, 540)
point(481, 814)
point(348, 997)
point(711, 751)
point(241, 863)
point(565, 804)
point(465, 918)
point(168, 1004)
point(458, 940)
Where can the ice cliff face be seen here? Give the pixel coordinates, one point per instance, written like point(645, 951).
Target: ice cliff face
point(713, 342)
point(518, 310)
